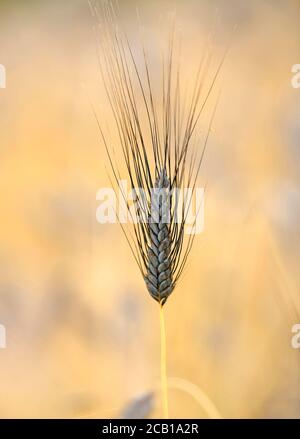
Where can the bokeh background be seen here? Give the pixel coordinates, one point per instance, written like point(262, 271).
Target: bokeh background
point(82, 332)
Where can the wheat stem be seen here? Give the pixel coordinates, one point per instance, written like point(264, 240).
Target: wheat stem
point(163, 363)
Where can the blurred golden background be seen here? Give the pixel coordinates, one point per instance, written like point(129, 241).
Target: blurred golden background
point(82, 331)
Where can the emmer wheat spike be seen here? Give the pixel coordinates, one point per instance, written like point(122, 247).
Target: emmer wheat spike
point(157, 136)
point(159, 155)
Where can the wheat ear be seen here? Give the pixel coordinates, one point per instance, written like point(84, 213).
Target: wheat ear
point(163, 363)
point(159, 271)
point(159, 146)
point(156, 143)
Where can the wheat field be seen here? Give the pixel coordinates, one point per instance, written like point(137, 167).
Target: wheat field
point(82, 331)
